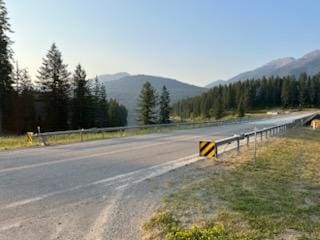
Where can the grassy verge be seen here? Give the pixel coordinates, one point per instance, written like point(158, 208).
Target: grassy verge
point(277, 198)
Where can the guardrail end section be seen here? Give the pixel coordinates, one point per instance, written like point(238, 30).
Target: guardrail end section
point(207, 149)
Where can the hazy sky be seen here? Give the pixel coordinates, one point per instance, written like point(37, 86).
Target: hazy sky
point(195, 41)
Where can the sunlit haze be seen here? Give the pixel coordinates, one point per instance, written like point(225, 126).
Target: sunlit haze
point(193, 41)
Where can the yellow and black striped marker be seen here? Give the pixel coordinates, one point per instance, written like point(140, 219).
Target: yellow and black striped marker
point(207, 149)
point(29, 137)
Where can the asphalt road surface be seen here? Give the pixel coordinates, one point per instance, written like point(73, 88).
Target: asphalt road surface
point(95, 190)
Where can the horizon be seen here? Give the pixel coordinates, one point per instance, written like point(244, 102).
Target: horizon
point(196, 43)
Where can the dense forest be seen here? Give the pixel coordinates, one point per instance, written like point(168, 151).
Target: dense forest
point(57, 100)
point(242, 96)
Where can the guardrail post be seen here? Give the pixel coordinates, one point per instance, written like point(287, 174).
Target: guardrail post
point(248, 140)
point(81, 135)
point(266, 131)
point(261, 136)
point(216, 151)
point(238, 144)
point(255, 146)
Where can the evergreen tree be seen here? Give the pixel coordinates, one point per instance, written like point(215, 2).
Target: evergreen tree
point(54, 83)
point(218, 104)
point(164, 112)
point(285, 92)
point(81, 99)
point(302, 90)
point(241, 110)
point(6, 91)
point(24, 102)
point(147, 102)
point(123, 112)
point(99, 104)
point(21, 80)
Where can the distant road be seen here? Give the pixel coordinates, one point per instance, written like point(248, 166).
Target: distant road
point(85, 190)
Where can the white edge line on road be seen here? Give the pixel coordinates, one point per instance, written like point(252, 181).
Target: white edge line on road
point(88, 156)
point(106, 180)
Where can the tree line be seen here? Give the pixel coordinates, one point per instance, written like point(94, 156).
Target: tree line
point(57, 100)
point(243, 96)
point(153, 108)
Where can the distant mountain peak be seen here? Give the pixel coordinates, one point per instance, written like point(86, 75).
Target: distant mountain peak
point(309, 63)
point(112, 77)
point(312, 54)
point(280, 62)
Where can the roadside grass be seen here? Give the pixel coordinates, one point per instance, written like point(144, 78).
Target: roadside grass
point(15, 142)
point(278, 197)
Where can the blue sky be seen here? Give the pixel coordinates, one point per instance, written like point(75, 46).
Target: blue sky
point(195, 41)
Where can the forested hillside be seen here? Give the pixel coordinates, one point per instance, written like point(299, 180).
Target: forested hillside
point(126, 90)
point(57, 100)
point(286, 92)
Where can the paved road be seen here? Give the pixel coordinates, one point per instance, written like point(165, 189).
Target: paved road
point(85, 190)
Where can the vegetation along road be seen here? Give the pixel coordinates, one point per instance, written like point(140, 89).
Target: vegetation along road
point(97, 190)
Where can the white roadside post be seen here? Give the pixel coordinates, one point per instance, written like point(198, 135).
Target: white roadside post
point(255, 146)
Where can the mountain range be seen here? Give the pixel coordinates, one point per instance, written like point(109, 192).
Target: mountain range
point(126, 89)
point(309, 63)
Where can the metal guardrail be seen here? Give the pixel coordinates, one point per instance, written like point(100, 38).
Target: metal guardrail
point(267, 132)
point(44, 136)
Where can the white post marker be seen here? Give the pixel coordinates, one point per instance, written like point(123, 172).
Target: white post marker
point(255, 146)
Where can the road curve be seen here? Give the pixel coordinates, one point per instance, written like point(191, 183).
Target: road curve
point(89, 190)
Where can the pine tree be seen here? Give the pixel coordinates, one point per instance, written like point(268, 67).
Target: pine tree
point(147, 102)
point(24, 102)
point(54, 83)
point(302, 89)
point(218, 104)
point(285, 92)
point(99, 105)
point(6, 90)
point(241, 110)
point(81, 99)
point(21, 80)
point(164, 112)
point(123, 115)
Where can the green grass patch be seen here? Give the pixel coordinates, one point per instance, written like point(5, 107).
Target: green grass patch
point(277, 198)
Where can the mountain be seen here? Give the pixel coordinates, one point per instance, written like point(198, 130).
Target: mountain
point(111, 77)
point(215, 83)
point(127, 89)
point(269, 69)
point(309, 63)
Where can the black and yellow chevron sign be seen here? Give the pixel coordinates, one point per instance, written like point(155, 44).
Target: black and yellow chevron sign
point(207, 149)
